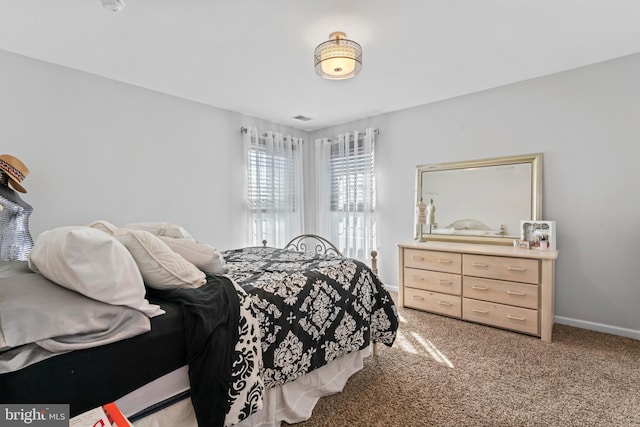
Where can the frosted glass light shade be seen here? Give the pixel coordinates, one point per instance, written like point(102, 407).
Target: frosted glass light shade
point(338, 58)
point(113, 5)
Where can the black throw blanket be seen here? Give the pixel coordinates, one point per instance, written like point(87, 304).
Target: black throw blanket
point(211, 315)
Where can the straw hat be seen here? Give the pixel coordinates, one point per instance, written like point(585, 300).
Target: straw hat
point(16, 171)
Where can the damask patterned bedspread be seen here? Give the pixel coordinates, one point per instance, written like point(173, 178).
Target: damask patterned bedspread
point(311, 308)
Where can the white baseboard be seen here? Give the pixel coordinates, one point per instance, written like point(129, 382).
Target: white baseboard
point(600, 327)
point(391, 288)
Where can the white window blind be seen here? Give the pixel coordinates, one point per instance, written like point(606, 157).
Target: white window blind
point(352, 177)
point(271, 180)
point(274, 187)
point(346, 191)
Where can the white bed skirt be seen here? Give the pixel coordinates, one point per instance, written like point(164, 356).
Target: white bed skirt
point(292, 402)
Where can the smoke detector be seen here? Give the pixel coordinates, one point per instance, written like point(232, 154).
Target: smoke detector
point(113, 5)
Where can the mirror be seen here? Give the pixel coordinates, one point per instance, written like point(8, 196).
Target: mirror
point(481, 201)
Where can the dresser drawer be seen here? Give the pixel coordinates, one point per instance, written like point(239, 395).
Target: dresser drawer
point(503, 316)
point(433, 281)
point(512, 293)
point(449, 305)
point(446, 262)
point(502, 268)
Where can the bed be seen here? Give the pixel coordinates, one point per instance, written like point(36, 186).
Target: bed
point(295, 326)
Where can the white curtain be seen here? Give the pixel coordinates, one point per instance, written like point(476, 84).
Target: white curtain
point(274, 187)
point(346, 192)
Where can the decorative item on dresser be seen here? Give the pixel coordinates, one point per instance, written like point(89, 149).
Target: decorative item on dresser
point(539, 234)
point(502, 286)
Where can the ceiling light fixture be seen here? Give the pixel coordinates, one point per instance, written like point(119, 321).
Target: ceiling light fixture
point(338, 58)
point(113, 5)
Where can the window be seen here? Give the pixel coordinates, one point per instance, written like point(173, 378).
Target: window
point(347, 192)
point(352, 177)
point(274, 187)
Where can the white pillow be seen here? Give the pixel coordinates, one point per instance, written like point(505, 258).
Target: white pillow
point(161, 267)
point(161, 229)
point(203, 256)
point(92, 263)
point(105, 226)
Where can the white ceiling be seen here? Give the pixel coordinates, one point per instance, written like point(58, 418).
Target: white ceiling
point(256, 56)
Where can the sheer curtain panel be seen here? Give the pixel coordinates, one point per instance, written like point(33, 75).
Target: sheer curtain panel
point(274, 187)
point(346, 191)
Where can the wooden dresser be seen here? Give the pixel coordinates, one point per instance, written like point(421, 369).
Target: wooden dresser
point(500, 286)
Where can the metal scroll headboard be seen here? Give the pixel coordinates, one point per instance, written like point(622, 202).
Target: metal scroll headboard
point(312, 243)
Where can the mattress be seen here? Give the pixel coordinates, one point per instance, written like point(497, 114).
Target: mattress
point(156, 395)
point(91, 377)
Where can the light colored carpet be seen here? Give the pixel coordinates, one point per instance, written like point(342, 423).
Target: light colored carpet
point(447, 372)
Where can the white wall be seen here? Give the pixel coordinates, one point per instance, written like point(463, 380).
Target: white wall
point(99, 149)
point(585, 122)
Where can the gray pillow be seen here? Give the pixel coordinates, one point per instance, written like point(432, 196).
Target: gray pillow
point(33, 309)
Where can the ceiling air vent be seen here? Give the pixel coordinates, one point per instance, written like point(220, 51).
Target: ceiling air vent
point(303, 118)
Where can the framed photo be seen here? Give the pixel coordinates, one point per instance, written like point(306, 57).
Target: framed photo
point(522, 244)
point(540, 234)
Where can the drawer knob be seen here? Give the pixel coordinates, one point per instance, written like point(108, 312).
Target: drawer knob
point(417, 297)
point(479, 288)
point(445, 282)
point(512, 268)
point(444, 261)
point(480, 264)
point(479, 310)
point(418, 258)
point(509, 316)
point(520, 294)
point(448, 304)
point(417, 277)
